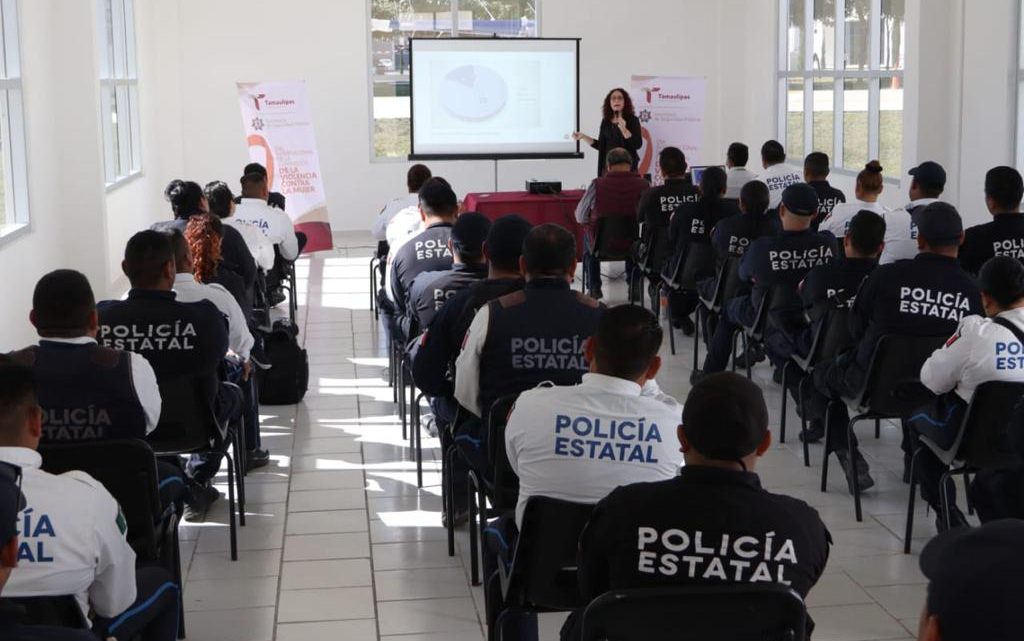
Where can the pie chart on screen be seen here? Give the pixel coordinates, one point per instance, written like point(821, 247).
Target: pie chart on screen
point(473, 92)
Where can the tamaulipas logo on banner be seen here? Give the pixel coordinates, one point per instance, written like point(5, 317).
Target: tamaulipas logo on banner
point(671, 114)
point(279, 131)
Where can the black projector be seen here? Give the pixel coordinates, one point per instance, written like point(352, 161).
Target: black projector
point(544, 186)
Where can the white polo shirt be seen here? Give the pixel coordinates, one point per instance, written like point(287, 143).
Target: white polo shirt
point(580, 442)
point(405, 224)
point(979, 352)
point(71, 539)
point(274, 223)
point(260, 247)
point(387, 214)
point(778, 177)
point(187, 290)
point(736, 178)
point(838, 222)
point(901, 232)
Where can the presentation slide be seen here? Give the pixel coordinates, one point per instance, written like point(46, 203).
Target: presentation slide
point(494, 97)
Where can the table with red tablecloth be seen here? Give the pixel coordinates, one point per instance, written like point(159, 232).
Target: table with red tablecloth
point(536, 208)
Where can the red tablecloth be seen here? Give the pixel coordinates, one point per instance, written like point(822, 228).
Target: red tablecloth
point(536, 208)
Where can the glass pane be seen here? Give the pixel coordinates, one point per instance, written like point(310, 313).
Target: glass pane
point(392, 23)
point(890, 125)
point(124, 134)
point(1020, 125)
point(824, 115)
point(136, 134)
point(120, 56)
point(857, 35)
point(855, 124)
point(6, 194)
point(391, 113)
point(795, 38)
point(114, 143)
point(824, 54)
point(129, 37)
point(795, 118)
point(509, 19)
point(391, 137)
point(892, 32)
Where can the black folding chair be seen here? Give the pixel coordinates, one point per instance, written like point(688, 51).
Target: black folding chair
point(698, 262)
point(741, 612)
point(127, 469)
point(60, 611)
point(727, 286)
point(892, 390)
point(377, 262)
point(981, 443)
point(188, 425)
point(542, 574)
point(748, 334)
point(613, 238)
point(649, 262)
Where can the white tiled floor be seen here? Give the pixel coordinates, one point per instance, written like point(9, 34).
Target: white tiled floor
point(340, 543)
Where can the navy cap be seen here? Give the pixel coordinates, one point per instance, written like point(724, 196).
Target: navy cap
point(505, 240)
point(800, 199)
point(976, 580)
point(929, 173)
point(939, 224)
point(725, 417)
point(469, 233)
point(12, 501)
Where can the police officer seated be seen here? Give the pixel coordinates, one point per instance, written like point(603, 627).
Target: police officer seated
point(580, 442)
point(691, 225)
point(974, 583)
point(928, 180)
point(615, 193)
point(426, 251)
point(221, 202)
point(658, 203)
point(178, 339)
point(980, 351)
point(1004, 235)
point(711, 524)
point(817, 167)
point(72, 533)
point(414, 179)
point(433, 364)
point(254, 209)
point(430, 290)
point(926, 296)
point(274, 199)
point(777, 174)
point(774, 264)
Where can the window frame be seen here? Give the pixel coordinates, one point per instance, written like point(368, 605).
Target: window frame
point(1018, 89)
point(17, 218)
point(372, 76)
point(873, 75)
point(119, 92)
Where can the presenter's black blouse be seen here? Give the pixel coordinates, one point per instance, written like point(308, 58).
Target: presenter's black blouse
point(610, 137)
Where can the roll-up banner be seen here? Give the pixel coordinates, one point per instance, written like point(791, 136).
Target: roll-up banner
point(279, 132)
point(671, 113)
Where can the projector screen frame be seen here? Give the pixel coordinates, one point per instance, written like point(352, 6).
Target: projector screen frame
point(497, 156)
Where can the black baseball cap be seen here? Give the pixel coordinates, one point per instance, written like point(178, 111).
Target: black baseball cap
point(12, 501)
point(929, 173)
point(800, 199)
point(976, 580)
point(725, 417)
point(505, 239)
point(939, 224)
point(469, 233)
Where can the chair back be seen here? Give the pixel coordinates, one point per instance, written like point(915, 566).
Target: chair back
point(187, 421)
point(732, 284)
point(60, 611)
point(655, 250)
point(614, 237)
point(893, 384)
point(756, 331)
point(543, 572)
point(984, 440)
point(127, 469)
point(506, 482)
point(741, 612)
point(699, 264)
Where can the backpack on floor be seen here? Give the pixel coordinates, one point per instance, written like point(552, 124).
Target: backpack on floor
point(286, 381)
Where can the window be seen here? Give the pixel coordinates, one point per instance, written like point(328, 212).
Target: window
point(393, 22)
point(13, 179)
point(841, 80)
point(119, 90)
point(1020, 90)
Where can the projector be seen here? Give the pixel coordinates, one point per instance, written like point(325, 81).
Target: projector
point(544, 186)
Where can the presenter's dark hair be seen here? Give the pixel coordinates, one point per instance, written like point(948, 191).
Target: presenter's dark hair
point(866, 232)
point(817, 164)
point(713, 183)
point(62, 303)
point(416, 176)
point(628, 337)
point(1004, 186)
point(1002, 278)
point(145, 257)
point(754, 197)
point(186, 198)
point(672, 161)
point(549, 250)
point(627, 105)
point(870, 178)
point(773, 152)
point(17, 397)
point(219, 197)
point(738, 154)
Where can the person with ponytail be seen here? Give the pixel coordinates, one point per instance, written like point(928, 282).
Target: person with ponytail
point(866, 192)
point(204, 234)
point(983, 349)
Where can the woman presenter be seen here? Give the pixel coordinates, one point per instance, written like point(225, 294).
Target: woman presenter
point(619, 128)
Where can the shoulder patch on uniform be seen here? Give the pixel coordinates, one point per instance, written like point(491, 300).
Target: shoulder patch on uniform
point(952, 339)
point(120, 521)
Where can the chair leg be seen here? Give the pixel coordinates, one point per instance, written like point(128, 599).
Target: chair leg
point(746, 349)
point(671, 329)
point(967, 493)
point(481, 513)
point(782, 418)
point(447, 491)
point(400, 366)
point(231, 509)
point(240, 472)
point(735, 343)
point(878, 428)
point(176, 542)
point(474, 558)
point(696, 338)
point(908, 536)
point(417, 441)
point(803, 424)
point(851, 448)
point(824, 458)
point(944, 481)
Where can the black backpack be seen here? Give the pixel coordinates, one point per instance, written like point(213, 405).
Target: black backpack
point(286, 381)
